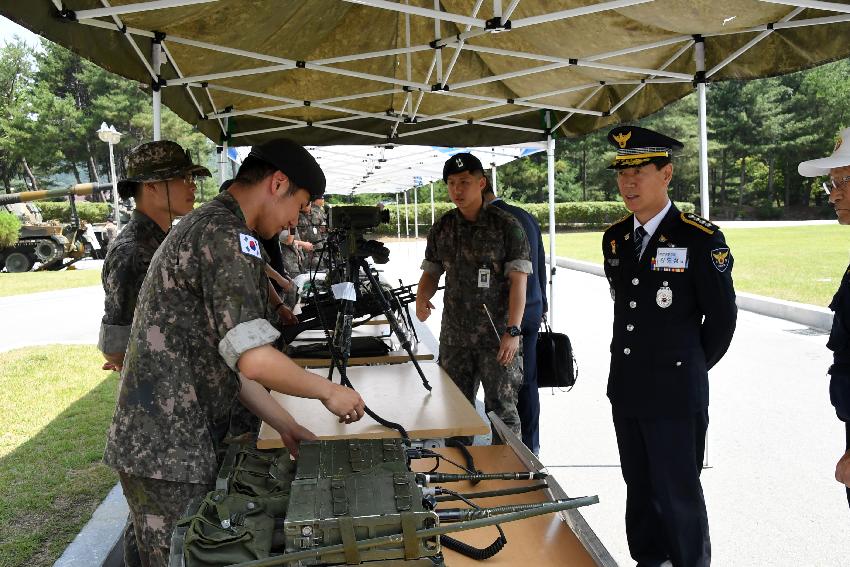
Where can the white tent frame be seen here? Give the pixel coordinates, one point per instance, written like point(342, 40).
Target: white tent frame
point(410, 114)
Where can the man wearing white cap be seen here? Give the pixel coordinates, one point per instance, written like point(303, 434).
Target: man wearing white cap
point(837, 186)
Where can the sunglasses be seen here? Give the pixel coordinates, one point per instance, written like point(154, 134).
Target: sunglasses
point(835, 184)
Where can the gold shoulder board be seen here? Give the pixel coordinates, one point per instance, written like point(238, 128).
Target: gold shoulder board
point(699, 222)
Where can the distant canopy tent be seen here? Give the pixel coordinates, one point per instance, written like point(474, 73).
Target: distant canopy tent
point(395, 169)
point(392, 169)
point(436, 73)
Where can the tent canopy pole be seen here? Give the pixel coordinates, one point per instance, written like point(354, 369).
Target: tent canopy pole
point(705, 203)
point(550, 160)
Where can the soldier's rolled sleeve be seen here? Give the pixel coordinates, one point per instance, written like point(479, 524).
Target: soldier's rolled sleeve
point(523, 266)
point(517, 250)
point(243, 337)
point(432, 268)
point(237, 294)
point(433, 264)
point(122, 275)
point(113, 338)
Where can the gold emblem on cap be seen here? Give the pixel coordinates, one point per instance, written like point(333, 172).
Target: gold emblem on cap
point(837, 145)
point(622, 139)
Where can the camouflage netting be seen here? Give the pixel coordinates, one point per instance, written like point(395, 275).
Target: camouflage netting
point(320, 29)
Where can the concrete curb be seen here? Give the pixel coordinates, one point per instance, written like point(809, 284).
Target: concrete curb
point(95, 543)
point(802, 313)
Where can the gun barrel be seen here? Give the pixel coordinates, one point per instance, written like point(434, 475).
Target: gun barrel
point(79, 190)
point(397, 540)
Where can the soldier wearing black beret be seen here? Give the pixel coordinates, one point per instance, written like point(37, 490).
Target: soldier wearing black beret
point(484, 255)
point(670, 275)
point(201, 338)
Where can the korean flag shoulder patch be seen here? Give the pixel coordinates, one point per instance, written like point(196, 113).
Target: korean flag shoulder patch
point(720, 259)
point(249, 245)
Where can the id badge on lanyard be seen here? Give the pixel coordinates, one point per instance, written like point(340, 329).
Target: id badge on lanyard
point(484, 278)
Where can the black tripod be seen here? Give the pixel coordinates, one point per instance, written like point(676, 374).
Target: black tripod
point(339, 345)
point(356, 252)
point(341, 342)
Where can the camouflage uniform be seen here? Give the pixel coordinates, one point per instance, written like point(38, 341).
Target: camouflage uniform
point(153, 504)
point(294, 265)
point(204, 304)
point(123, 273)
point(319, 219)
point(312, 228)
point(124, 269)
point(127, 260)
point(492, 246)
point(293, 258)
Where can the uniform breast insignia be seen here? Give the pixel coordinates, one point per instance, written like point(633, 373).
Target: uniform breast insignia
point(628, 234)
point(699, 222)
point(662, 238)
point(720, 259)
point(614, 246)
point(249, 245)
point(664, 296)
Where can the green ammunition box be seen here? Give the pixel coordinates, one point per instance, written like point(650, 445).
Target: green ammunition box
point(352, 490)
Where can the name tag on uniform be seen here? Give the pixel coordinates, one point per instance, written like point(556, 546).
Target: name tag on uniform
point(671, 259)
point(483, 277)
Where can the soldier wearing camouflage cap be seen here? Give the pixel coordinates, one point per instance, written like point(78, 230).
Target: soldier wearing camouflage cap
point(161, 179)
point(485, 255)
point(201, 337)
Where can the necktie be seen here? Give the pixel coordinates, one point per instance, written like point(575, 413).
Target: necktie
point(640, 232)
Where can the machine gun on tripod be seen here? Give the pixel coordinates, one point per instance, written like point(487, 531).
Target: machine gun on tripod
point(348, 254)
point(323, 306)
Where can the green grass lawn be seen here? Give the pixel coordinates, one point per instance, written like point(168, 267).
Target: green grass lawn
point(798, 263)
point(56, 407)
point(31, 282)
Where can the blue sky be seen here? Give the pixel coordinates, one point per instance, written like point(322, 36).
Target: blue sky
point(9, 29)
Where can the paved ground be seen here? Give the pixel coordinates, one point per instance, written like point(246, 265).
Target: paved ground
point(772, 445)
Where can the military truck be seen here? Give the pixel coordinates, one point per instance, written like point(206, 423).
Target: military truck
point(51, 244)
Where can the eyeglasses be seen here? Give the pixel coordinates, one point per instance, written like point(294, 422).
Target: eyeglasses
point(835, 184)
point(190, 178)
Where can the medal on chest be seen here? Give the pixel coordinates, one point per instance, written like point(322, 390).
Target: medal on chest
point(664, 296)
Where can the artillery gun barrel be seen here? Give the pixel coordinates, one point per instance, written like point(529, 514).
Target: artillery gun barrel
point(429, 478)
point(80, 189)
point(396, 540)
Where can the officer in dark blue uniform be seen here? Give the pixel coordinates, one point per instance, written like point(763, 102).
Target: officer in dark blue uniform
point(670, 275)
point(837, 167)
point(528, 400)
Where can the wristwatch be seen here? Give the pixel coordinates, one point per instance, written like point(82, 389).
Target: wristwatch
point(513, 331)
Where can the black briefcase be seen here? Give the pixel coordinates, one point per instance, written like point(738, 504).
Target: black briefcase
point(556, 365)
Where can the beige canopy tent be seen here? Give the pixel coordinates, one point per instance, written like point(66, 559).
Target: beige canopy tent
point(437, 73)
